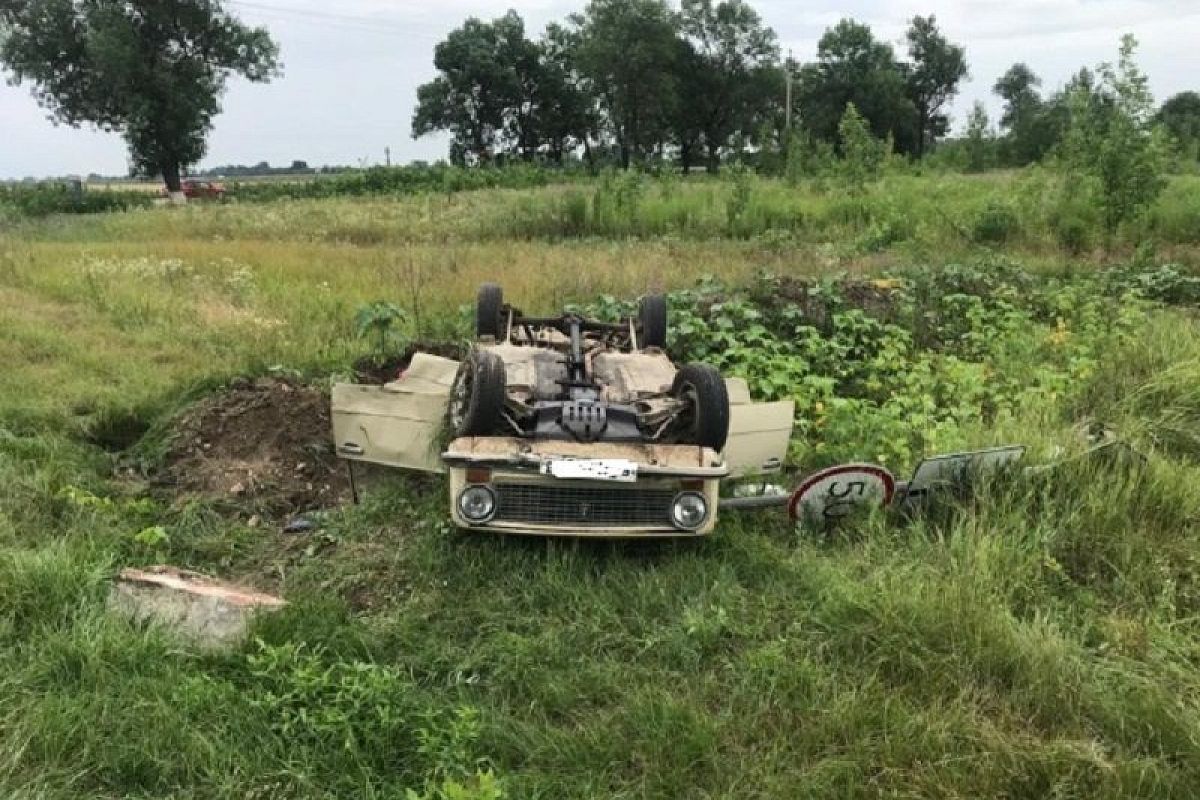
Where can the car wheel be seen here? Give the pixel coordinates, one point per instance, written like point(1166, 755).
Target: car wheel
point(478, 394)
point(489, 312)
point(652, 321)
point(705, 420)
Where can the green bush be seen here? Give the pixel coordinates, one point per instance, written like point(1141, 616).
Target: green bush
point(898, 366)
point(1171, 284)
point(43, 200)
point(405, 180)
point(997, 223)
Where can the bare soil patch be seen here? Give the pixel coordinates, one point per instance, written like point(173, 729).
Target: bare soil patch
point(264, 444)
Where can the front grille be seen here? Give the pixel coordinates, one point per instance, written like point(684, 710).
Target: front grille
point(583, 506)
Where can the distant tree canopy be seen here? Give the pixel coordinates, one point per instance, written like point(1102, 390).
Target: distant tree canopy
point(1180, 116)
point(852, 67)
point(730, 81)
point(932, 76)
point(641, 80)
point(637, 80)
point(153, 70)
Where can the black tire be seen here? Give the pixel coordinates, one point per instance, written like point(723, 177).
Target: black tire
point(489, 312)
point(706, 421)
point(652, 321)
point(478, 395)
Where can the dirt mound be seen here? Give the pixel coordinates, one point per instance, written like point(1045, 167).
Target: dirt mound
point(265, 445)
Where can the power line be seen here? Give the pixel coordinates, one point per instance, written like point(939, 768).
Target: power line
point(341, 21)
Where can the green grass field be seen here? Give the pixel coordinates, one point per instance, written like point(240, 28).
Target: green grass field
point(1040, 638)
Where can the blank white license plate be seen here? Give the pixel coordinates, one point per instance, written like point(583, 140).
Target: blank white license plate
point(594, 469)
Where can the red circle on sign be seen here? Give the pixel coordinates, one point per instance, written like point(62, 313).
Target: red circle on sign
point(879, 473)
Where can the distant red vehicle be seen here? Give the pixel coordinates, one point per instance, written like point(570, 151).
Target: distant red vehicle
point(196, 189)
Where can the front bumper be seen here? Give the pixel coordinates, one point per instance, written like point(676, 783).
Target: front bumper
point(532, 503)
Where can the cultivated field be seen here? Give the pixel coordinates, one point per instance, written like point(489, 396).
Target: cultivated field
point(1040, 638)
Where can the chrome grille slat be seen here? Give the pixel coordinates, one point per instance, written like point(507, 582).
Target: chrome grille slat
point(583, 506)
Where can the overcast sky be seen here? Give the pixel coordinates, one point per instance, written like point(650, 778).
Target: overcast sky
point(351, 69)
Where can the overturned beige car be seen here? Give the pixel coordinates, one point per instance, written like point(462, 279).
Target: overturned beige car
point(567, 426)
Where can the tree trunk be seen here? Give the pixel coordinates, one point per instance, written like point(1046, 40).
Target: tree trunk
point(170, 175)
point(923, 116)
point(714, 160)
point(588, 156)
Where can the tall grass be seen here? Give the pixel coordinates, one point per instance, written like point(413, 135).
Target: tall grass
point(1034, 638)
point(1031, 212)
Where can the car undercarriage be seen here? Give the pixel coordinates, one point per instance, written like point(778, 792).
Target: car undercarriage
point(573, 379)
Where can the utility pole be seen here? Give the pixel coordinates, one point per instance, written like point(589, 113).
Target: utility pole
point(387, 155)
point(788, 111)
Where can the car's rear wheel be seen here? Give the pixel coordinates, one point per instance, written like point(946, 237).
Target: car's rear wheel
point(704, 419)
point(652, 321)
point(478, 394)
point(489, 312)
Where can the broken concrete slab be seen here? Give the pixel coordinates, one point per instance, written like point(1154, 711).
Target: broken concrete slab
point(204, 610)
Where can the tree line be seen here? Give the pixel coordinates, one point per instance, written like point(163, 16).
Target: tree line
point(636, 80)
point(629, 81)
point(1033, 125)
point(623, 81)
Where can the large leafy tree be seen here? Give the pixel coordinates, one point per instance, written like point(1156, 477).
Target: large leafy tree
point(1180, 116)
point(627, 51)
point(853, 67)
point(153, 70)
point(1033, 126)
point(485, 93)
point(1028, 121)
point(567, 117)
point(935, 69)
point(1018, 87)
point(728, 74)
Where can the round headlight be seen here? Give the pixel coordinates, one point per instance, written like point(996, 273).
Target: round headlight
point(477, 504)
point(689, 511)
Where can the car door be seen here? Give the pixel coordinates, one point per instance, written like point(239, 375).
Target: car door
point(399, 424)
point(759, 433)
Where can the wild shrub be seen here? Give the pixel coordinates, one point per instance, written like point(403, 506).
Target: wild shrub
point(862, 155)
point(808, 157)
point(996, 223)
point(979, 145)
point(1171, 284)
point(617, 201)
point(898, 366)
point(1112, 142)
point(739, 200)
point(380, 322)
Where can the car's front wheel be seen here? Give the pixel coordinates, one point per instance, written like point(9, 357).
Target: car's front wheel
point(478, 394)
point(652, 321)
point(490, 319)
